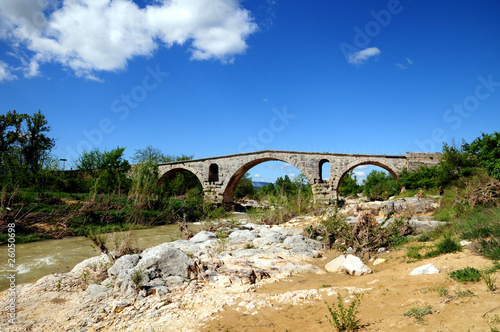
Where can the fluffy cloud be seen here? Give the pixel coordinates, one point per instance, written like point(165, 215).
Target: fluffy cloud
point(103, 35)
point(257, 176)
point(360, 57)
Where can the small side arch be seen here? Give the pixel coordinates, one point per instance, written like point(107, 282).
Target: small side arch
point(213, 173)
point(356, 164)
point(322, 163)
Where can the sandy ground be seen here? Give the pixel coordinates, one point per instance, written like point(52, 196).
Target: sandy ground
point(392, 293)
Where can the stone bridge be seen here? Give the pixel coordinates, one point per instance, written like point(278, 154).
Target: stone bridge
point(220, 175)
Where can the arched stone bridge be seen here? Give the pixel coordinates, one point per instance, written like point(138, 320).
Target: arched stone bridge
point(220, 175)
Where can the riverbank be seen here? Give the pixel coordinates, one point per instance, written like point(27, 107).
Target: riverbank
point(254, 277)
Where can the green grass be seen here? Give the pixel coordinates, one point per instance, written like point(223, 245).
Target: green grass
point(419, 313)
point(441, 290)
point(465, 293)
point(469, 274)
point(445, 246)
point(414, 252)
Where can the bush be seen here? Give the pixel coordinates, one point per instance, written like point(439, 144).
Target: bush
point(419, 313)
point(345, 319)
point(469, 274)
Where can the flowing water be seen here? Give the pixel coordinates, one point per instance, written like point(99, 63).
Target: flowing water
point(37, 259)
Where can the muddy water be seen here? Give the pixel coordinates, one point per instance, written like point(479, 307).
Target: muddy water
point(37, 259)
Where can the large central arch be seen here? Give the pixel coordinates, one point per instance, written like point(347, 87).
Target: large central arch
point(242, 170)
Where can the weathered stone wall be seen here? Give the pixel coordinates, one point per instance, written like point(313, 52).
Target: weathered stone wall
point(417, 159)
point(220, 175)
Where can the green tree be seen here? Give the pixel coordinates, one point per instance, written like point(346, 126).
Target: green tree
point(379, 185)
point(107, 169)
point(24, 145)
point(485, 152)
point(266, 190)
point(244, 188)
point(455, 163)
point(349, 185)
point(35, 144)
point(285, 187)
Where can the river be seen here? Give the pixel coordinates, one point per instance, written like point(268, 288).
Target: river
point(37, 259)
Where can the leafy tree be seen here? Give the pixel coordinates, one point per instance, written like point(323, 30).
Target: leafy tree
point(266, 190)
point(349, 185)
point(245, 187)
point(156, 155)
point(24, 146)
point(485, 151)
point(107, 169)
point(35, 144)
point(455, 163)
point(379, 185)
point(284, 186)
point(425, 177)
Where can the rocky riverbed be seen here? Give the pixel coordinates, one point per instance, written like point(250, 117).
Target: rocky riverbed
point(189, 285)
point(174, 286)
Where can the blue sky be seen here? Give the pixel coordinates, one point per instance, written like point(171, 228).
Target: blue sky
point(214, 77)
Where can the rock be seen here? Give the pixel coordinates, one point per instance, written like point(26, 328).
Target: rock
point(292, 241)
point(123, 264)
point(354, 266)
point(90, 263)
point(164, 261)
point(119, 305)
point(379, 261)
point(425, 269)
point(243, 236)
point(464, 243)
point(335, 265)
point(270, 238)
point(202, 237)
point(97, 291)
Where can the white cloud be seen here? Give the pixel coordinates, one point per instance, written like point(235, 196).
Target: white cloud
point(103, 35)
point(400, 66)
point(257, 176)
point(5, 74)
point(360, 57)
point(361, 167)
point(360, 174)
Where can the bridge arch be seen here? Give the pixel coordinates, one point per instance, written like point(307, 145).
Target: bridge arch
point(171, 173)
point(243, 169)
point(355, 164)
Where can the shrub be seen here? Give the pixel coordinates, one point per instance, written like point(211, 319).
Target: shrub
point(419, 313)
point(469, 274)
point(344, 319)
point(445, 246)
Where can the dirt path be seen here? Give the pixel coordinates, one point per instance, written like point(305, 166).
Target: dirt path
point(392, 293)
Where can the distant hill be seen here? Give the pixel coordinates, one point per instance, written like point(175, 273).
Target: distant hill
point(258, 184)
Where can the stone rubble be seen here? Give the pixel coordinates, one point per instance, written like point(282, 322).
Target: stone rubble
point(171, 287)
